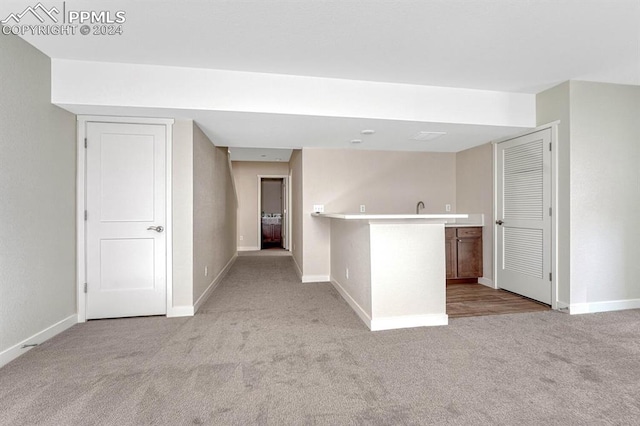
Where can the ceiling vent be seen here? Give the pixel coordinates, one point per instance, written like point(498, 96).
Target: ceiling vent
point(427, 136)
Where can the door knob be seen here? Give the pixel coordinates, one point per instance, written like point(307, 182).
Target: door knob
point(499, 222)
point(155, 228)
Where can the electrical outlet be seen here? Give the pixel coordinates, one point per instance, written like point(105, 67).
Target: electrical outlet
point(447, 207)
point(206, 271)
point(241, 237)
point(346, 273)
point(318, 208)
point(362, 208)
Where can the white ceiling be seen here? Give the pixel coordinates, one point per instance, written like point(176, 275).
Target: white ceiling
point(502, 45)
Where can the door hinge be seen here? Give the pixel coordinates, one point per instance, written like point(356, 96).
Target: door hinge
point(85, 142)
point(549, 146)
point(85, 287)
point(85, 215)
point(550, 211)
point(550, 277)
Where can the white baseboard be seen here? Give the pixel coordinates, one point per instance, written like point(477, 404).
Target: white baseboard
point(409, 321)
point(486, 281)
point(354, 305)
point(608, 306)
point(180, 311)
point(315, 278)
point(390, 323)
point(15, 351)
point(249, 248)
point(214, 284)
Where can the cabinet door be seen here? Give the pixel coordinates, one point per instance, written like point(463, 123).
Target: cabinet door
point(450, 247)
point(469, 257)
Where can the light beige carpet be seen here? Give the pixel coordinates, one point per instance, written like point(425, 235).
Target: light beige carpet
point(266, 349)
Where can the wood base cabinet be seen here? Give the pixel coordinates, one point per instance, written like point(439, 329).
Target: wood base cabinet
point(463, 248)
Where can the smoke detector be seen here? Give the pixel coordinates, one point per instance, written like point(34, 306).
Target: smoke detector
point(427, 136)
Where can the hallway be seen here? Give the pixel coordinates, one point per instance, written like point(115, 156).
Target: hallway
point(266, 349)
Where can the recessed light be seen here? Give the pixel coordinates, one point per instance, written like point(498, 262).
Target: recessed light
point(263, 155)
point(278, 159)
point(367, 132)
point(427, 136)
point(356, 141)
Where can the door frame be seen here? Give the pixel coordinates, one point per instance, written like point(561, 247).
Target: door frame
point(285, 181)
point(81, 188)
point(553, 126)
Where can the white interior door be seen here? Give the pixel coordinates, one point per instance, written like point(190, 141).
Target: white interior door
point(523, 215)
point(125, 220)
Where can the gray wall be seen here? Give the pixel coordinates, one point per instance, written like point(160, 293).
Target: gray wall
point(386, 182)
point(214, 212)
point(599, 189)
point(605, 192)
point(295, 171)
point(37, 193)
point(551, 105)
point(271, 193)
point(474, 194)
point(245, 174)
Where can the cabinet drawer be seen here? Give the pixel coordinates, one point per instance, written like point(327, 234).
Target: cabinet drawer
point(449, 233)
point(469, 232)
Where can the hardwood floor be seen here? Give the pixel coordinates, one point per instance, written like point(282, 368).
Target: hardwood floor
point(470, 300)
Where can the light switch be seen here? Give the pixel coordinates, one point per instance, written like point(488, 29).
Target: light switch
point(318, 208)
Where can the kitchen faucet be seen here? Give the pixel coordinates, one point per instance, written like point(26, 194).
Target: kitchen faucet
point(418, 206)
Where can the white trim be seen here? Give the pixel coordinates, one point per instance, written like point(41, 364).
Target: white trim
point(81, 176)
point(315, 278)
point(526, 132)
point(555, 205)
point(289, 215)
point(214, 284)
point(562, 306)
point(390, 323)
point(486, 281)
point(409, 321)
point(248, 248)
point(180, 311)
point(362, 314)
point(607, 306)
point(553, 126)
point(169, 213)
point(15, 351)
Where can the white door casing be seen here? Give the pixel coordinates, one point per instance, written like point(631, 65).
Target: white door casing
point(286, 242)
point(285, 215)
point(523, 215)
point(124, 187)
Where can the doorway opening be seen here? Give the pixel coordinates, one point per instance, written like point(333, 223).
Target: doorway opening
point(273, 213)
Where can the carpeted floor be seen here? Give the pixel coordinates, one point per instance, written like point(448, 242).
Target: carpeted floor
point(268, 350)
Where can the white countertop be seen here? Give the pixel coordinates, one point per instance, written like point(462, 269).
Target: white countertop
point(358, 216)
